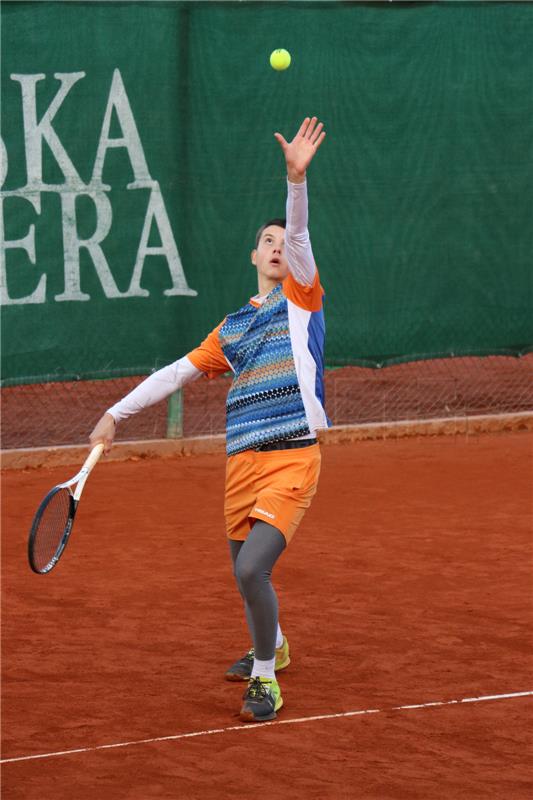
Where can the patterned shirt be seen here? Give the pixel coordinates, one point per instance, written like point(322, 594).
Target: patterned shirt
point(276, 353)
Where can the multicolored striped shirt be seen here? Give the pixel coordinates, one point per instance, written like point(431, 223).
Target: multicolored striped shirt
point(276, 353)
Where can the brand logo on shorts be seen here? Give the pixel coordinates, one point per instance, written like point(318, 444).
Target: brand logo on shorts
point(266, 513)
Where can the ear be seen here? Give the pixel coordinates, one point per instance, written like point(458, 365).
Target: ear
point(253, 256)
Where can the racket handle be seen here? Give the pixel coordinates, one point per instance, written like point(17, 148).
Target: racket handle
point(84, 472)
point(93, 456)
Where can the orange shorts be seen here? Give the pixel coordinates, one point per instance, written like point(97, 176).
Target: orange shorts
point(275, 486)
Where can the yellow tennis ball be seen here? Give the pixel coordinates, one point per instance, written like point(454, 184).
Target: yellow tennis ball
point(280, 59)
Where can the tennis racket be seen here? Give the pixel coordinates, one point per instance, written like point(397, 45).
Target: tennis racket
point(53, 520)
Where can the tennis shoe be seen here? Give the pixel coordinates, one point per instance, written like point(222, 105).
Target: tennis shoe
point(262, 699)
point(241, 670)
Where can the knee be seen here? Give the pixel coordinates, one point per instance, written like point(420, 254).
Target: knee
point(249, 577)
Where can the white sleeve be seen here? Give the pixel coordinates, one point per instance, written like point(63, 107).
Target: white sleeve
point(156, 387)
point(297, 242)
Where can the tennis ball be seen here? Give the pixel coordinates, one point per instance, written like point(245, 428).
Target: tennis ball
point(280, 59)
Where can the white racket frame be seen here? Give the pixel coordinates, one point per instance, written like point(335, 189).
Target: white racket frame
point(84, 472)
point(80, 479)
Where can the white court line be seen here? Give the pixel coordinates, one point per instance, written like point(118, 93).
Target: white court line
point(248, 727)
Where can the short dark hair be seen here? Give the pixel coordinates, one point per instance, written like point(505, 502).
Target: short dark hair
point(281, 223)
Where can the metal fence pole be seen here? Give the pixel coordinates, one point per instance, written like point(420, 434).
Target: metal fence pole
point(175, 415)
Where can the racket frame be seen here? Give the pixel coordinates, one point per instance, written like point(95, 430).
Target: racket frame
point(74, 497)
point(66, 531)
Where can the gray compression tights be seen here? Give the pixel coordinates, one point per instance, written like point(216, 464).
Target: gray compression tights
point(253, 561)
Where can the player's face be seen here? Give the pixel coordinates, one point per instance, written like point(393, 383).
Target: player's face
point(269, 258)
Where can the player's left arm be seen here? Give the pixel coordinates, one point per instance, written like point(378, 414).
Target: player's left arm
point(298, 155)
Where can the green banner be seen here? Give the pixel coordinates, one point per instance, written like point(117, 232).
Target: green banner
point(138, 160)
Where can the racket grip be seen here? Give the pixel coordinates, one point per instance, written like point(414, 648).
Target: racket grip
point(93, 456)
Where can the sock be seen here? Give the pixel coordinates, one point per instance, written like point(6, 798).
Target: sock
point(279, 637)
point(264, 668)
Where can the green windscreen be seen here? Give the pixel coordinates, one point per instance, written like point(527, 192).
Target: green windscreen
point(139, 160)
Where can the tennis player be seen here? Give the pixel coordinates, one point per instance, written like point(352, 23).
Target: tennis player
point(274, 346)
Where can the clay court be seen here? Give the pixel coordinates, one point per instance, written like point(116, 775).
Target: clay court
point(140, 154)
point(408, 583)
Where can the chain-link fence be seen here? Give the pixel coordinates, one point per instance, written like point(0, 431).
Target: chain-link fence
point(46, 414)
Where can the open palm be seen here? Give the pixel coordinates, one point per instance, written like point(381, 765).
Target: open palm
point(300, 152)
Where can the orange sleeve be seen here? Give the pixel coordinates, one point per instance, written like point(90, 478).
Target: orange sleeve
point(308, 297)
point(208, 357)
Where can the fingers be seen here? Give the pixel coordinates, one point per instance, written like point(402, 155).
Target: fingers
point(94, 440)
point(104, 432)
point(311, 131)
point(105, 440)
point(320, 140)
point(304, 126)
point(108, 444)
point(308, 130)
point(314, 136)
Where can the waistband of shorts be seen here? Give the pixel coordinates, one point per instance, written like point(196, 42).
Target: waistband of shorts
point(285, 444)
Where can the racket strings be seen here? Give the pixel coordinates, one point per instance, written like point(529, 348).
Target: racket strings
point(51, 528)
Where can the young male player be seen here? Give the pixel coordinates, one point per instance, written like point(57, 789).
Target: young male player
point(274, 346)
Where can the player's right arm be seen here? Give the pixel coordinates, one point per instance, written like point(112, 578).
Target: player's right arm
point(207, 359)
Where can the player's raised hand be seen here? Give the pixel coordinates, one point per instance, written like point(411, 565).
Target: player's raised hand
point(300, 152)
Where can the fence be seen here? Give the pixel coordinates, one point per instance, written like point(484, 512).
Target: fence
point(135, 174)
point(37, 415)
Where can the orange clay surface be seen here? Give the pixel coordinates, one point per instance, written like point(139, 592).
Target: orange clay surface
point(408, 582)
